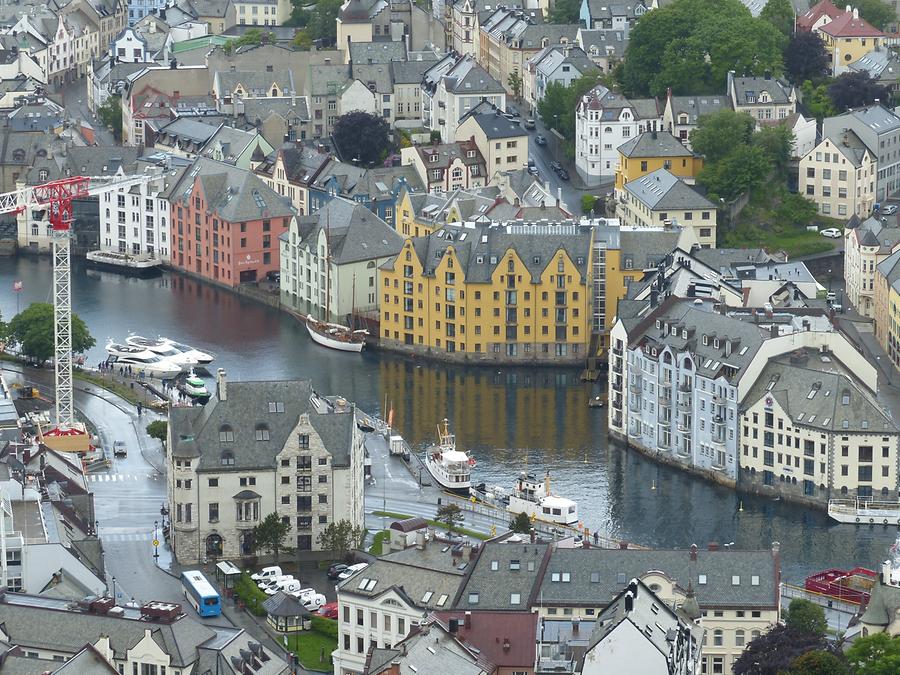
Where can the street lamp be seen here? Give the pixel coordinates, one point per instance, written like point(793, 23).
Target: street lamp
point(556, 135)
point(114, 588)
point(156, 541)
point(829, 281)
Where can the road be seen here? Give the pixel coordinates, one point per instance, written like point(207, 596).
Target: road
point(74, 97)
point(543, 155)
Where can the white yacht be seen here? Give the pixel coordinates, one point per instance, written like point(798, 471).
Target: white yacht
point(450, 467)
point(184, 355)
point(141, 361)
point(532, 496)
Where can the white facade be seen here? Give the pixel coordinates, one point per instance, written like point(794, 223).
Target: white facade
point(839, 176)
point(129, 47)
point(136, 221)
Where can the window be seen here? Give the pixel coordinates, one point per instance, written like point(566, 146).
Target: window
point(213, 512)
point(718, 637)
point(213, 482)
point(739, 637)
point(473, 598)
point(515, 599)
point(262, 432)
point(226, 434)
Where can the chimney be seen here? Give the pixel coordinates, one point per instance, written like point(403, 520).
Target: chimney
point(855, 13)
point(420, 540)
point(693, 552)
point(713, 546)
point(467, 622)
point(773, 330)
point(506, 645)
point(623, 545)
point(575, 623)
point(221, 385)
point(629, 602)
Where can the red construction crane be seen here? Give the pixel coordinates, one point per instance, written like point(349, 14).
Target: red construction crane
point(56, 198)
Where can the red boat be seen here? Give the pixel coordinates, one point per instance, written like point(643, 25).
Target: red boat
point(853, 586)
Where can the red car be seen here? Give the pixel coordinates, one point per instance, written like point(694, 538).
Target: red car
point(329, 610)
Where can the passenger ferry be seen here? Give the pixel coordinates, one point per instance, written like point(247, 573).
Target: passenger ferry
point(864, 511)
point(451, 468)
point(531, 496)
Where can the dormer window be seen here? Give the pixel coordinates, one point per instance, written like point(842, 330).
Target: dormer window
point(262, 432)
point(276, 406)
point(227, 458)
point(433, 159)
point(470, 154)
point(226, 434)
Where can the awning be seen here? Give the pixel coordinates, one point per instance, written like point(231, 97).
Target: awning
point(227, 568)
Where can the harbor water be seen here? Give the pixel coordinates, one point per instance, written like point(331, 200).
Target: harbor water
point(511, 419)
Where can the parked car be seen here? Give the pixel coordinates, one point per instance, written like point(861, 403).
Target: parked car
point(563, 174)
point(353, 569)
point(831, 297)
point(532, 167)
point(287, 585)
point(890, 209)
point(119, 449)
point(313, 602)
point(529, 123)
point(831, 233)
point(265, 583)
point(540, 140)
point(267, 573)
point(329, 610)
point(555, 166)
point(335, 570)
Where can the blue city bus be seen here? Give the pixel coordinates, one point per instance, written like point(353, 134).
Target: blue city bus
point(200, 593)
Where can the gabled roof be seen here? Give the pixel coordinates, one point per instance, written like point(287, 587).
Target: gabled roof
point(889, 268)
point(694, 106)
point(444, 154)
point(503, 571)
point(661, 189)
point(823, 8)
point(850, 25)
point(494, 124)
point(747, 90)
point(377, 52)
point(850, 145)
point(506, 639)
point(654, 144)
point(873, 232)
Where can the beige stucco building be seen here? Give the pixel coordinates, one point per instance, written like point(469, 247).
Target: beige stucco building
point(502, 142)
point(864, 248)
point(838, 175)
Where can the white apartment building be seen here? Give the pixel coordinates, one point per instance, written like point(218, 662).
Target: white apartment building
point(254, 449)
point(839, 175)
point(604, 120)
point(864, 248)
point(378, 606)
point(337, 250)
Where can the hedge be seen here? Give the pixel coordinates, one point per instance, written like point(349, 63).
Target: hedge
point(247, 590)
point(325, 626)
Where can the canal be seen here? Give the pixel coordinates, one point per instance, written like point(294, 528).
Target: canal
point(511, 418)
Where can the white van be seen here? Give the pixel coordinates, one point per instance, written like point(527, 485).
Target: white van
point(290, 585)
point(266, 583)
point(266, 573)
point(353, 569)
point(309, 598)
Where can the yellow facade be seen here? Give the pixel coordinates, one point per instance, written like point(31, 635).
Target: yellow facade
point(508, 317)
point(850, 49)
point(407, 222)
point(628, 170)
point(887, 317)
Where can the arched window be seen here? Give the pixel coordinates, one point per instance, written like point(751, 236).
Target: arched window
point(718, 637)
point(227, 458)
point(370, 265)
point(607, 130)
point(688, 364)
point(43, 174)
point(408, 255)
point(262, 432)
point(754, 634)
point(884, 492)
point(226, 434)
point(667, 358)
point(18, 155)
point(510, 265)
point(844, 490)
point(739, 637)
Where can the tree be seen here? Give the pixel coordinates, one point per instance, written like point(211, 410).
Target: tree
point(451, 516)
point(876, 12)
point(32, 331)
point(818, 662)
point(721, 132)
point(691, 45)
point(111, 115)
point(362, 137)
point(806, 617)
point(158, 430)
point(776, 142)
point(853, 89)
point(743, 169)
point(780, 14)
point(340, 538)
point(302, 40)
point(774, 652)
point(270, 534)
point(817, 101)
point(322, 23)
point(565, 12)
point(557, 107)
point(587, 204)
point(515, 84)
point(877, 654)
point(521, 523)
point(805, 57)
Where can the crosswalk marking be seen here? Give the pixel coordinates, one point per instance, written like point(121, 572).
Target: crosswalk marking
point(117, 477)
point(140, 536)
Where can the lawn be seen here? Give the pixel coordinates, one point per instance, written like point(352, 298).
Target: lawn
point(435, 524)
point(308, 646)
point(795, 242)
point(378, 543)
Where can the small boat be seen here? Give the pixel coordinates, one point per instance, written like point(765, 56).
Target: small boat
point(335, 336)
point(531, 496)
point(864, 511)
point(124, 263)
point(194, 388)
point(854, 586)
point(451, 468)
point(183, 354)
point(142, 361)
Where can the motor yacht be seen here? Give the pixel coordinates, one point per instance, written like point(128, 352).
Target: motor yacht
point(141, 361)
point(450, 467)
point(185, 355)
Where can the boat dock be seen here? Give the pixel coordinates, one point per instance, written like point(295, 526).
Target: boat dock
point(837, 612)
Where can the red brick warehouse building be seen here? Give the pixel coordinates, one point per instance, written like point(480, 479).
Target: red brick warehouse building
point(226, 223)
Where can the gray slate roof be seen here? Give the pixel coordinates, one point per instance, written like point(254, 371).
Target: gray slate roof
point(695, 106)
point(850, 145)
point(889, 268)
point(645, 249)
point(598, 575)
point(410, 72)
point(654, 144)
point(354, 232)
point(873, 232)
point(502, 570)
point(256, 82)
point(284, 604)
point(883, 605)
point(596, 42)
point(195, 430)
point(377, 52)
point(495, 125)
point(661, 189)
point(746, 88)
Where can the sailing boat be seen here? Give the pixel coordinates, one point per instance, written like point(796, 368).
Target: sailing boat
point(334, 335)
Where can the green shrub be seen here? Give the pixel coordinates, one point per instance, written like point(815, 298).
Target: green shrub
point(325, 626)
point(253, 598)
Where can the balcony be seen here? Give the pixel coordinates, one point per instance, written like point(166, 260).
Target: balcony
point(718, 439)
point(665, 397)
point(718, 400)
point(635, 405)
point(684, 428)
point(617, 368)
point(617, 351)
point(635, 387)
point(685, 404)
point(684, 387)
point(684, 454)
point(617, 402)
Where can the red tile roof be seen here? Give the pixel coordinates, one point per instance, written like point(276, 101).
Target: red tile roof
point(847, 25)
point(506, 639)
point(816, 12)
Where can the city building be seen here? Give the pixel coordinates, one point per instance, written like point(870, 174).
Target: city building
point(138, 9)
point(505, 639)
point(451, 88)
point(736, 591)
point(146, 639)
point(663, 199)
point(430, 648)
point(504, 292)
point(817, 16)
point(153, 93)
point(813, 429)
point(882, 65)
point(865, 247)
point(877, 127)
point(887, 307)
point(654, 150)
point(881, 611)
point(458, 165)
point(682, 113)
point(130, 47)
point(604, 120)
point(839, 175)
point(258, 13)
point(848, 37)
point(355, 243)
point(638, 632)
point(243, 149)
point(606, 48)
point(563, 64)
point(382, 605)
point(225, 223)
point(606, 16)
point(502, 143)
point(763, 98)
point(254, 449)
